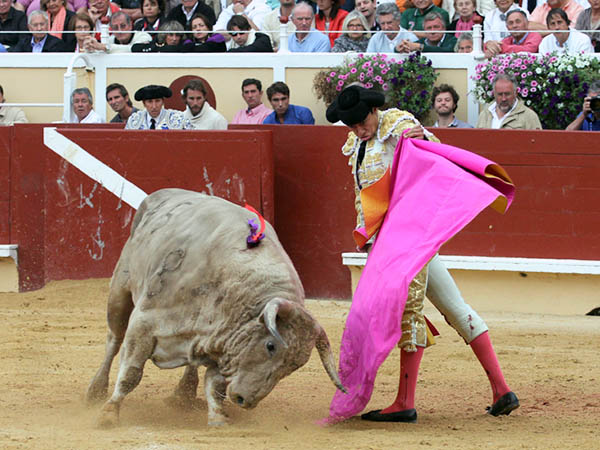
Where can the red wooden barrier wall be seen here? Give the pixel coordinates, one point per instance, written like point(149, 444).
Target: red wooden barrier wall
point(68, 226)
point(555, 214)
point(5, 145)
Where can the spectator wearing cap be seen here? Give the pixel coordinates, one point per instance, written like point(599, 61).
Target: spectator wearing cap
point(520, 40)
point(83, 104)
point(156, 116)
point(198, 111)
point(494, 25)
point(11, 19)
point(284, 113)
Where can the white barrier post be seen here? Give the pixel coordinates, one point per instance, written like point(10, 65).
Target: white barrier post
point(283, 37)
point(477, 42)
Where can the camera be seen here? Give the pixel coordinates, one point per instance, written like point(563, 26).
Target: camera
point(595, 104)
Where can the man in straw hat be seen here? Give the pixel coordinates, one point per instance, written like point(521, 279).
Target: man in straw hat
point(155, 116)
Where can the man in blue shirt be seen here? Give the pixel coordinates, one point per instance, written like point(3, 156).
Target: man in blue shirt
point(284, 113)
point(306, 39)
point(589, 118)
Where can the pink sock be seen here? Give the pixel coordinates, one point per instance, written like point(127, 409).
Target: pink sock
point(409, 372)
point(482, 347)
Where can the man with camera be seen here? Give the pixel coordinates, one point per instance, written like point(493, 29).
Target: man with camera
point(589, 118)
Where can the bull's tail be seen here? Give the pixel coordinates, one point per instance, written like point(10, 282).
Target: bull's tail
point(256, 233)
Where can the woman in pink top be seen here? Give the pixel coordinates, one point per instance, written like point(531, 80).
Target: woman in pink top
point(32, 5)
point(330, 18)
point(467, 16)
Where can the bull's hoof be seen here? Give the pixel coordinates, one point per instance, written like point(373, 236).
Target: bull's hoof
point(109, 416)
point(95, 395)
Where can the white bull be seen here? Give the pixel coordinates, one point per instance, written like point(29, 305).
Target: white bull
point(188, 291)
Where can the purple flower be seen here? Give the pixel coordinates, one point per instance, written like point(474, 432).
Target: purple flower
point(408, 93)
point(423, 94)
point(400, 70)
point(394, 81)
point(419, 77)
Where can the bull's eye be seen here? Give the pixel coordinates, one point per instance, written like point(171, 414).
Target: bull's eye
point(270, 347)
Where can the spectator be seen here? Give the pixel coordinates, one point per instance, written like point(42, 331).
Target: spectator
point(11, 19)
point(272, 24)
point(413, 18)
point(562, 40)
point(330, 18)
point(59, 21)
point(155, 116)
point(83, 104)
point(81, 23)
point(467, 16)
point(367, 8)
point(433, 42)
point(589, 118)
point(202, 41)
point(353, 39)
point(464, 44)
point(538, 19)
point(306, 39)
point(98, 9)
point(188, 8)
point(403, 5)
point(245, 39)
point(255, 112)
point(153, 14)
point(519, 40)
point(9, 115)
point(118, 99)
point(133, 8)
point(198, 111)
point(589, 19)
point(3, 49)
point(445, 101)
point(507, 111)
point(390, 37)
point(28, 6)
point(284, 113)
point(40, 40)
point(122, 37)
point(494, 26)
point(253, 10)
point(170, 41)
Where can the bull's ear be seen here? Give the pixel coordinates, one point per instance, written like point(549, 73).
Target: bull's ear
point(276, 307)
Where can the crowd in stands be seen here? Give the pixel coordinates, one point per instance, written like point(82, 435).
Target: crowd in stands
point(313, 26)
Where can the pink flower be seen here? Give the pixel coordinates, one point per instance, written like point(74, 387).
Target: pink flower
point(340, 83)
point(384, 71)
point(524, 92)
point(523, 75)
point(368, 85)
point(384, 86)
point(332, 74)
point(353, 70)
point(534, 84)
point(338, 88)
point(328, 79)
point(361, 77)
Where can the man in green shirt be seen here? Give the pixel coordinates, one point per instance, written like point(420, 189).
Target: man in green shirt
point(432, 42)
point(412, 19)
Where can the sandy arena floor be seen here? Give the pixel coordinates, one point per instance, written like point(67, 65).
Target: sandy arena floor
point(52, 342)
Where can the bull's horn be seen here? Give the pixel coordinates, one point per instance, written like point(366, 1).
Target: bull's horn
point(269, 315)
point(324, 349)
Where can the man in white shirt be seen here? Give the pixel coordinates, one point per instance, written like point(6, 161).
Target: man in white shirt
point(83, 103)
point(507, 111)
point(494, 25)
point(561, 40)
point(198, 111)
point(156, 116)
point(253, 10)
point(390, 38)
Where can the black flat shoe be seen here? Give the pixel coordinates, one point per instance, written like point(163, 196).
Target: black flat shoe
point(408, 416)
point(505, 405)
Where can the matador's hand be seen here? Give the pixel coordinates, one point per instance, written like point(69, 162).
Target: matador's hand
point(415, 132)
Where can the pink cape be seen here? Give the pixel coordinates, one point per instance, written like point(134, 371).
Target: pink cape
point(435, 191)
